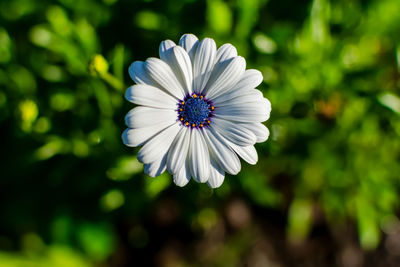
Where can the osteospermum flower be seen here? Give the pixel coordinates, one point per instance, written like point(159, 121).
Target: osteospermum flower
point(198, 111)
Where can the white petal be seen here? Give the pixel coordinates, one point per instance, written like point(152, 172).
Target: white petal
point(260, 130)
point(234, 132)
point(199, 158)
point(221, 152)
point(225, 52)
point(159, 145)
point(165, 46)
point(217, 175)
point(203, 63)
point(179, 150)
point(224, 76)
point(247, 97)
point(155, 168)
point(139, 74)
point(140, 117)
point(189, 42)
point(248, 153)
point(147, 95)
point(257, 112)
point(162, 73)
point(137, 137)
point(250, 79)
point(231, 94)
point(182, 177)
point(239, 97)
point(180, 63)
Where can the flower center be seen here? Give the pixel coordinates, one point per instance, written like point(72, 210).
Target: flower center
point(195, 111)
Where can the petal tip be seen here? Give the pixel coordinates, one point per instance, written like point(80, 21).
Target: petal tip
point(125, 138)
point(180, 183)
point(134, 68)
point(188, 35)
point(214, 186)
point(128, 93)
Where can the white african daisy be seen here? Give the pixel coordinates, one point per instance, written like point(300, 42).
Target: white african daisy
point(198, 110)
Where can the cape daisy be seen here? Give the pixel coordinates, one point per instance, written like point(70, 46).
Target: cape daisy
point(198, 111)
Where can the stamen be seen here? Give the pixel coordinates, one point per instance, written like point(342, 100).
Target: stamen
point(195, 111)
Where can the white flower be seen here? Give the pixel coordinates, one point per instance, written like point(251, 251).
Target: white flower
point(198, 110)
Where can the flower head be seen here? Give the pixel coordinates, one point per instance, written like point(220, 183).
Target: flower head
point(198, 111)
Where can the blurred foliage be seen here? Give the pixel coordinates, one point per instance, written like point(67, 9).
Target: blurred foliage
point(72, 195)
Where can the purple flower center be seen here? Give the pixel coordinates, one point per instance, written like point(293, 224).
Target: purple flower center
point(195, 111)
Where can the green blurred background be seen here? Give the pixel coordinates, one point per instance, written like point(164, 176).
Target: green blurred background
point(324, 193)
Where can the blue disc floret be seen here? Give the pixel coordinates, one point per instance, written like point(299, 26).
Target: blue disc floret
point(195, 111)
